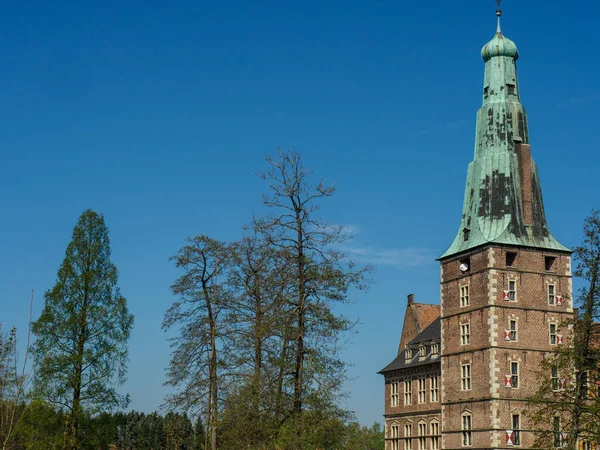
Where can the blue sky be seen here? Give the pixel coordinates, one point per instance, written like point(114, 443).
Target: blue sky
point(159, 113)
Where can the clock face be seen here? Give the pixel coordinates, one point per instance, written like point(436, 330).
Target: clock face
point(463, 267)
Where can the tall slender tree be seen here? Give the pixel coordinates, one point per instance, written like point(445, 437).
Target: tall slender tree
point(322, 274)
point(80, 348)
point(195, 364)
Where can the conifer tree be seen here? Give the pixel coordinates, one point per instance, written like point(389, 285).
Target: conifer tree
point(80, 349)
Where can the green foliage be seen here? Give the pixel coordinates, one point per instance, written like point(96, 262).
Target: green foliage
point(81, 335)
point(41, 427)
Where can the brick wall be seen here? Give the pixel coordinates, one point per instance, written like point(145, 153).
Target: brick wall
point(488, 313)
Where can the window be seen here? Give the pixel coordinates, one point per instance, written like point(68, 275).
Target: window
point(465, 265)
point(465, 377)
point(407, 354)
point(514, 374)
point(394, 393)
point(556, 430)
point(434, 391)
point(466, 234)
point(511, 257)
point(586, 445)
point(554, 381)
point(512, 329)
point(434, 431)
point(549, 263)
point(465, 333)
point(408, 392)
point(422, 435)
point(551, 294)
point(486, 91)
point(395, 435)
point(422, 391)
point(552, 334)
point(585, 385)
point(464, 295)
point(510, 88)
point(516, 428)
point(435, 349)
point(408, 436)
point(422, 351)
point(512, 290)
point(467, 438)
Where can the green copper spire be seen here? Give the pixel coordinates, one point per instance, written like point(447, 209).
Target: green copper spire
point(503, 197)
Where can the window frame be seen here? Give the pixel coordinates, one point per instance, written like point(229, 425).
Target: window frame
point(466, 429)
point(516, 432)
point(408, 392)
point(408, 436)
point(394, 394)
point(434, 432)
point(422, 390)
point(551, 295)
point(464, 294)
point(422, 435)
point(465, 377)
point(554, 379)
point(515, 374)
point(395, 436)
point(512, 293)
point(513, 333)
point(556, 425)
point(465, 333)
point(434, 389)
point(552, 335)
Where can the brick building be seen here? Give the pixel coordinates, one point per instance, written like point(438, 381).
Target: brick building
point(464, 370)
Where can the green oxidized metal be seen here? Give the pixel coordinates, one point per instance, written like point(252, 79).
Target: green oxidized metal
point(493, 210)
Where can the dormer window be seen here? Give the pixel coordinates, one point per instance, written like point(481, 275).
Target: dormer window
point(466, 234)
point(407, 354)
point(435, 349)
point(510, 88)
point(422, 351)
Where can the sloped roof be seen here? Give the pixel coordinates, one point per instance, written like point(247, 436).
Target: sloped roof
point(430, 334)
point(422, 315)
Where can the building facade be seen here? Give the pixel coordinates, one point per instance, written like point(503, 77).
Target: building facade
point(505, 289)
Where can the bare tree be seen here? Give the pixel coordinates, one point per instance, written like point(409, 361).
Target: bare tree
point(195, 364)
point(14, 381)
point(322, 274)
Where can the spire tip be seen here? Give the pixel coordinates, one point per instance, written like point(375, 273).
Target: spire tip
point(498, 14)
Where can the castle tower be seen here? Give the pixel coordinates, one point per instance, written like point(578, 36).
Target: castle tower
point(505, 280)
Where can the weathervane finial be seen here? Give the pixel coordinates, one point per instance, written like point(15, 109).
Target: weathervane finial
point(498, 13)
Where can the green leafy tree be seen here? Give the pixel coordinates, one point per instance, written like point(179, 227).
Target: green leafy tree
point(567, 402)
point(81, 335)
point(42, 427)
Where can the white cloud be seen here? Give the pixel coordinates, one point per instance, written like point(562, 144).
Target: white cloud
point(396, 257)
